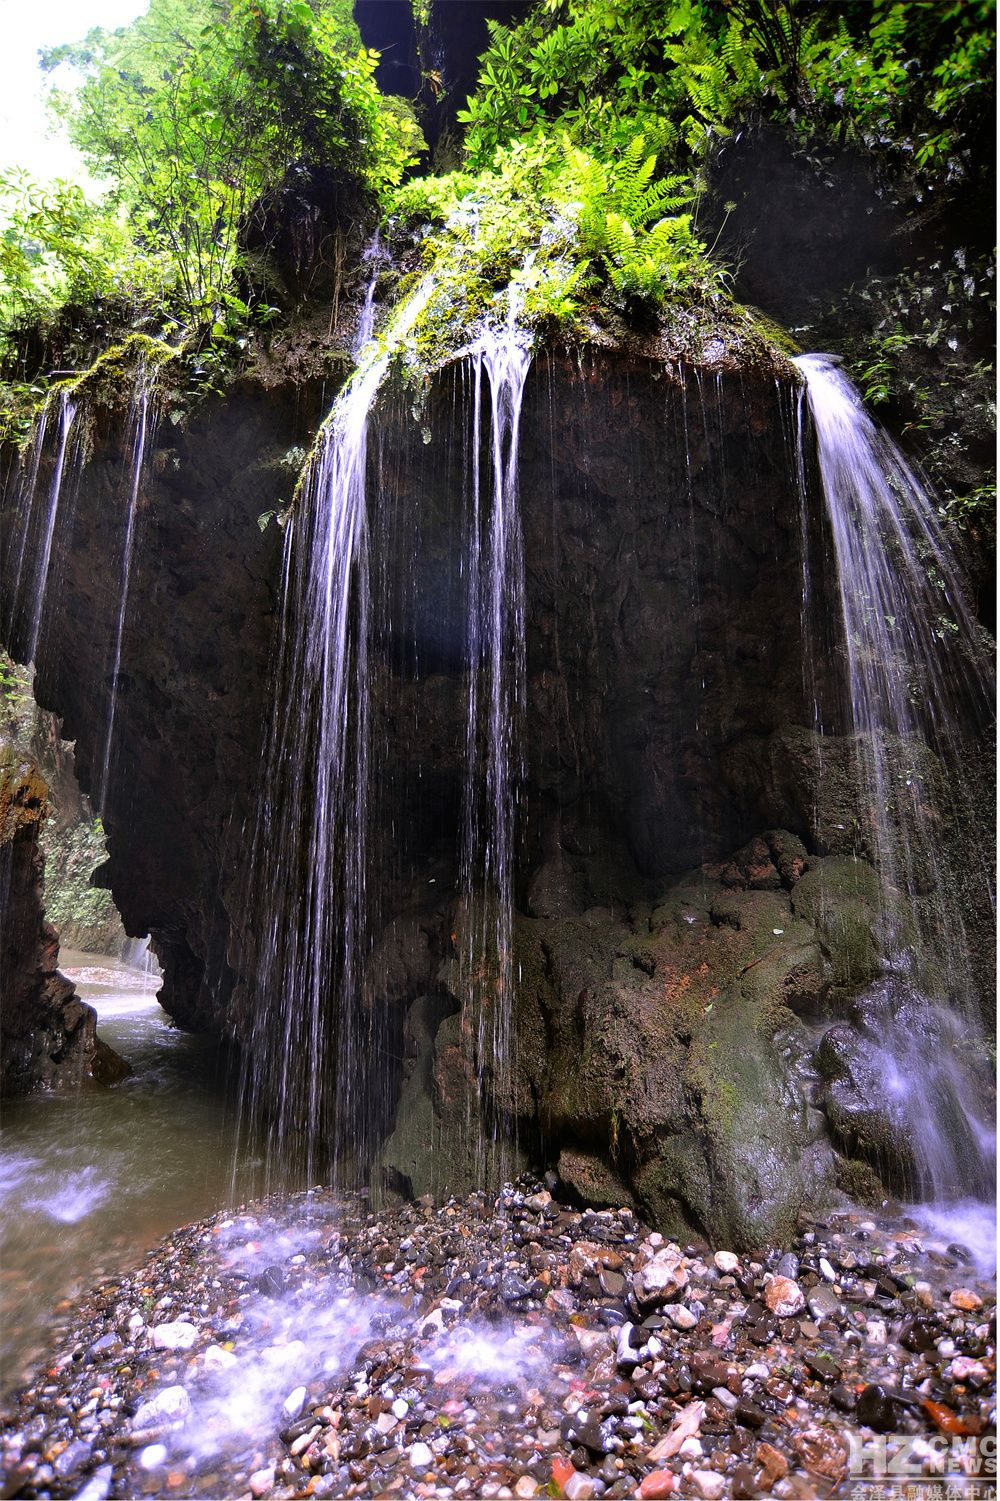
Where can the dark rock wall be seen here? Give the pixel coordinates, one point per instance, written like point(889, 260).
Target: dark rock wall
point(47, 1034)
point(192, 688)
point(669, 702)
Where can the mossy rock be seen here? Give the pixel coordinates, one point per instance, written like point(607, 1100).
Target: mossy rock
point(860, 1182)
point(24, 796)
point(843, 898)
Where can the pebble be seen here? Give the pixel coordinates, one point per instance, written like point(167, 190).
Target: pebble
point(965, 1299)
point(707, 1484)
point(171, 1405)
point(175, 1336)
point(262, 1482)
point(294, 1403)
point(876, 1409)
point(98, 1487)
point(661, 1279)
point(680, 1315)
point(216, 1358)
point(409, 1392)
point(72, 1457)
point(784, 1297)
point(656, 1485)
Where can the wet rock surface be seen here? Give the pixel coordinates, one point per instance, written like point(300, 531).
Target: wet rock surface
point(47, 1034)
point(311, 1346)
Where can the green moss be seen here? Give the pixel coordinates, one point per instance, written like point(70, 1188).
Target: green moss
point(842, 898)
point(775, 334)
point(110, 379)
point(860, 1182)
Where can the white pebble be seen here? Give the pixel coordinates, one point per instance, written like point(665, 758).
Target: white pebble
point(171, 1405)
point(827, 1270)
point(294, 1403)
point(218, 1359)
point(420, 1457)
point(726, 1262)
point(708, 1484)
point(176, 1336)
point(261, 1481)
point(400, 1408)
point(153, 1456)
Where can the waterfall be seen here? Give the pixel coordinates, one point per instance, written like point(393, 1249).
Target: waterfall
point(313, 1037)
point(141, 427)
point(309, 858)
point(375, 258)
point(33, 528)
point(494, 734)
point(917, 679)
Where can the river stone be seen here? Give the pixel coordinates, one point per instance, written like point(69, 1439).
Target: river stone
point(72, 1457)
point(707, 1484)
point(680, 1315)
point(176, 1336)
point(98, 1487)
point(216, 1358)
point(661, 1279)
point(294, 1403)
point(784, 1297)
point(171, 1405)
point(965, 1299)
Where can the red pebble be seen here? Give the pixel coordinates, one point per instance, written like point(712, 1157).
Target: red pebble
point(562, 1470)
point(656, 1484)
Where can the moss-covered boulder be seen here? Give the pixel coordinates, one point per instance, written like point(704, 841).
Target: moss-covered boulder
point(670, 1050)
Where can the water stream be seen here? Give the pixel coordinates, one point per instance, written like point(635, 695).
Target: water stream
point(309, 860)
point(916, 679)
point(141, 434)
point(496, 700)
point(90, 1180)
point(43, 496)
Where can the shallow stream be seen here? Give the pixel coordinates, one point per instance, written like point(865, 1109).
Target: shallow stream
point(90, 1180)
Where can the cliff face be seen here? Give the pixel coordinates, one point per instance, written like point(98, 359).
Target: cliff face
point(674, 800)
point(47, 1036)
point(72, 841)
point(192, 682)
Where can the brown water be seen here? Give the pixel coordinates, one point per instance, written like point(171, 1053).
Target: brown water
point(90, 1180)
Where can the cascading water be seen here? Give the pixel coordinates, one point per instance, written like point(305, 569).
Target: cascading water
point(32, 534)
point(309, 862)
point(494, 736)
point(141, 429)
point(916, 679)
point(312, 1039)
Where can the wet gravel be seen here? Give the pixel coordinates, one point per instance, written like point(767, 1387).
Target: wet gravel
point(308, 1346)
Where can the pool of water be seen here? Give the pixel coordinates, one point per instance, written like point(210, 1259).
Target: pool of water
point(90, 1180)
